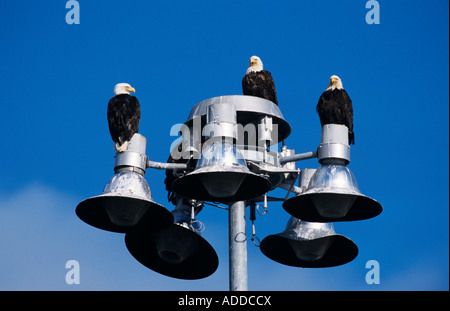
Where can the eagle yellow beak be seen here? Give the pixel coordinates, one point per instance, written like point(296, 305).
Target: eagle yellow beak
point(131, 89)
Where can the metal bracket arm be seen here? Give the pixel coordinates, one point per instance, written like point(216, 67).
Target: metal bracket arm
point(166, 166)
point(298, 157)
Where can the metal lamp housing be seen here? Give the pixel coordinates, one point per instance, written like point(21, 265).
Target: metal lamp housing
point(173, 248)
point(178, 251)
point(221, 173)
point(332, 195)
point(309, 245)
point(228, 166)
point(126, 184)
point(126, 198)
point(249, 110)
point(334, 144)
point(337, 189)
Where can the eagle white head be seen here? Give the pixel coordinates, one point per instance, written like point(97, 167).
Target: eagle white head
point(255, 64)
point(123, 88)
point(335, 83)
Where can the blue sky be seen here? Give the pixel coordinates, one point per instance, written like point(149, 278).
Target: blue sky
point(57, 78)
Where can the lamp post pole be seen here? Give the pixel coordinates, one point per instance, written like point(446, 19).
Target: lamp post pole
point(238, 246)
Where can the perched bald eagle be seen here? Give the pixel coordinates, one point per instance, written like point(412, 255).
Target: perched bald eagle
point(259, 82)
point(335, 107)
point(124, 114)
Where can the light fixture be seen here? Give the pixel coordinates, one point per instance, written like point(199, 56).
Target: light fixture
point(177, 251)
point(221, 174)
point(126, 198)
point(224, 156)
point(309, 245)
point(249, 110)
point(332, 193)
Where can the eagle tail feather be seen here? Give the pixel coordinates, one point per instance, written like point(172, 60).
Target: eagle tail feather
point(121, 147)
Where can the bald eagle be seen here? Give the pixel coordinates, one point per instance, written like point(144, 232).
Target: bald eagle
point(335, 107)
point(124, 114)
point(259, 82)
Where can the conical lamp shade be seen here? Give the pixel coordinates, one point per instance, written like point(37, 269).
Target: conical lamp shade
point(221, 175)
point(177, 251)
point(125, 200)
point(332, 195)
point(309, 245)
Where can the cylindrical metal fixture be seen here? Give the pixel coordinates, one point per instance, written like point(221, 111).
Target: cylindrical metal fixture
point(221, 121)
point(298, 157)
point(305, 177)
point(166, 166)
point(238, 247)
point(134, 157)
point(334, 145)
point(265, 128)
point(334, 134)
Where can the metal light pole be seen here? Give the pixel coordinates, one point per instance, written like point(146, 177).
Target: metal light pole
point(238, 246)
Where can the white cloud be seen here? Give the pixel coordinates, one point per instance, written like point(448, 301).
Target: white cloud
point(40, 232)
point(36, 229)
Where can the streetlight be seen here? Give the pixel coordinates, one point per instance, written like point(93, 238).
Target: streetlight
point(309, 244)
point(332, 193)
point(126, 198)
point(177, 251)
point(228, 159)
point(221, 173)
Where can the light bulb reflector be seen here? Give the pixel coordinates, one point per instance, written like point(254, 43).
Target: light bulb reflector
point(126, 184)
point(221, 153)
point(334, 183)
point(312, 246)
point(174, 248)
point(219, 156)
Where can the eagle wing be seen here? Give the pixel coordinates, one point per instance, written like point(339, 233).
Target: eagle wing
point(335, 107)
point(124, 114)
point(260, 84)
point(348, 115)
